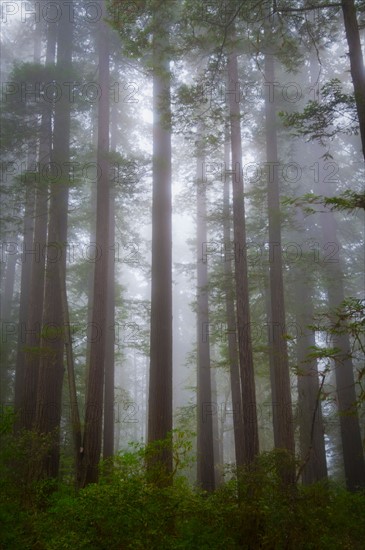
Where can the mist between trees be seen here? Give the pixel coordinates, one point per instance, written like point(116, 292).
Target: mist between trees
point(128, 412)
point(128, 92)
point(130, 333)
point(266, 252)
point(182, 273)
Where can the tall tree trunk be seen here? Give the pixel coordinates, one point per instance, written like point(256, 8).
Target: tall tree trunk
point(109, 412)
point(249, 412)
point(25, 295)
point(205, 407)
point(218, 432)
point(108, 443)
point(28, 258)
point(231, 320)
point(356, 62)
point(27, 401)
point(284, 436)
point(51, 369)
point(270, 352)
point(95, 388)
point(312, 446)
point(75, 415)
point(91, 270)
point(6, 310)
point(160, 378)
point(353, 453)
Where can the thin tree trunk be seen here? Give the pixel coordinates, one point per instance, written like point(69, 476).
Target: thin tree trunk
point(91, 271)
point(29, 259)
point(108, 444)
point(26, 415)
point(75, 415)
point(160, 379)
point(9, 280)
point(94, 404)
point(51, 370)
point(284, 437)
point(271, 361)
point(353, 454)
point(27, 401)
point(249, 412)
point(205, 406)
point(231, 321)
point(6, 307)
point(312, 447)
point(356, 62)
point(217, 433)
point(109, 410)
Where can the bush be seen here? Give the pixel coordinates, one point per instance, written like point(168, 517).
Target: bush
point(126, 510)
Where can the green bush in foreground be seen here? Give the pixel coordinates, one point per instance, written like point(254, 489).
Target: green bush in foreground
point(125, 510)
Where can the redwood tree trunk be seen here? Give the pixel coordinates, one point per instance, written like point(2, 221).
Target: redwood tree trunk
point(352, 448)
point(51, 370)
point(249, 413)
point(95, 388)
point(284, 434)
point(27, 401)
point(312, 447)
point(108, 443)
point(160, 380)
point(205, 407)
point(356, 62)
point(6, 307)
point(26, 414)
point(231, 321)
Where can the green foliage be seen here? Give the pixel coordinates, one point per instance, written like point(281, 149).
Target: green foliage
point(21, 497)
point(349, 319)
point(20, 457)
point(7, 419)
point(126, 511)
point(347, 201)
point(334, 114)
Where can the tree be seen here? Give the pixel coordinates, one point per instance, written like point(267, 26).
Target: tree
point(349, 12)
point(95, 385)
point(356, 62)
point(249, 414)
point(312, 446)
point(353, 453)
point(284, 435)
point(26, 393)
point(108, 442)
point(205, 449)
point(51, 369)
point(160, 382)
point(231, 320)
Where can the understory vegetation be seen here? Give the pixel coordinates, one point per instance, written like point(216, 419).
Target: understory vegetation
point(134, 507)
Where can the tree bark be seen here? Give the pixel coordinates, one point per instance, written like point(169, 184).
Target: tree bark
point(95, 388)
point(249, 413)
point(284, 436)
point(312, 446)
point(353, 453)
point(75, 415)
point(231, 321)
point(160, 378)
point(108, 443)
point(25, 415)
point(51, 370)
point(356, 62)
point(109, 410)
point(205, 407)
point(6, 310)
point(27, 401)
